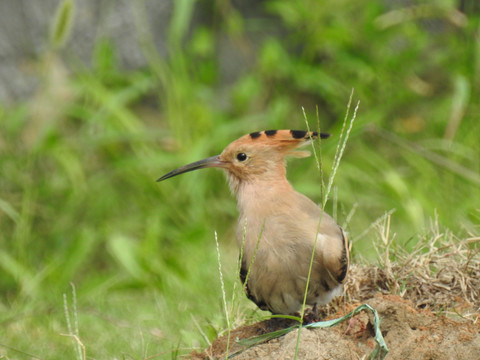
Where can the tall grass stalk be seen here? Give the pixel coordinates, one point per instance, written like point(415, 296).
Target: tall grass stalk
point(349, 216)
point(342, 143)
point(200, 330)
point(224, 297)
point(374, 224)
point(318, 157)
point(73, 332)
point(239, 266)
point(253, 257)
point(244, 285)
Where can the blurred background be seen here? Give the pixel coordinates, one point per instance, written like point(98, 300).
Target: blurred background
point(100, 98)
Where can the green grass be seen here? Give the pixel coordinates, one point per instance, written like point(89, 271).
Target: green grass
point(79, 159)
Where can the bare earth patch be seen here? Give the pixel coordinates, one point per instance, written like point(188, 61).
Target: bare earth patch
point(409, 334)
point(434, 314)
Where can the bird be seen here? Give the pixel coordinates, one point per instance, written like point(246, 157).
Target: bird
point(279, 229)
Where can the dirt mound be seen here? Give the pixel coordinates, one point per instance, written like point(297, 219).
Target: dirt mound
point(408, 332)
point(428, 301)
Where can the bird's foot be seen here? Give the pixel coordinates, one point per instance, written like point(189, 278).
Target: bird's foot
point(311, 315)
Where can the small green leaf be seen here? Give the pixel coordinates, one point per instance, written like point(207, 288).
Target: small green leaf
point(62, 24)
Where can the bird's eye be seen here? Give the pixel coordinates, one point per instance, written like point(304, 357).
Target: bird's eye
point(241, 156)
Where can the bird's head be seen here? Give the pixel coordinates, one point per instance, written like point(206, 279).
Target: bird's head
point(255, 156)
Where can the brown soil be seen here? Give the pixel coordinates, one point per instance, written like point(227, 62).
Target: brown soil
point(434, 314)
point(408, 332)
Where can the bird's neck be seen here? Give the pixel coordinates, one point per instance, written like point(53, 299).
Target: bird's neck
point(253, 195)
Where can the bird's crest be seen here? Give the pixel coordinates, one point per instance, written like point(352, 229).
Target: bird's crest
point(286, 140)
point(285, 135)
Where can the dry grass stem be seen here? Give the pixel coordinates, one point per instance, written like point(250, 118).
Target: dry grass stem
point(442, 273)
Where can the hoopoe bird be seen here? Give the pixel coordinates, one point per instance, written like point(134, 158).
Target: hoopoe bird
point(278, 227)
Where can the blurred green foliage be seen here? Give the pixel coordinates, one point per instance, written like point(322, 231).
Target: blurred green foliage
point(78, 198)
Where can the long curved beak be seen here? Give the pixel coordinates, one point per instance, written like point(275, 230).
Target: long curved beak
point(213, 161)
